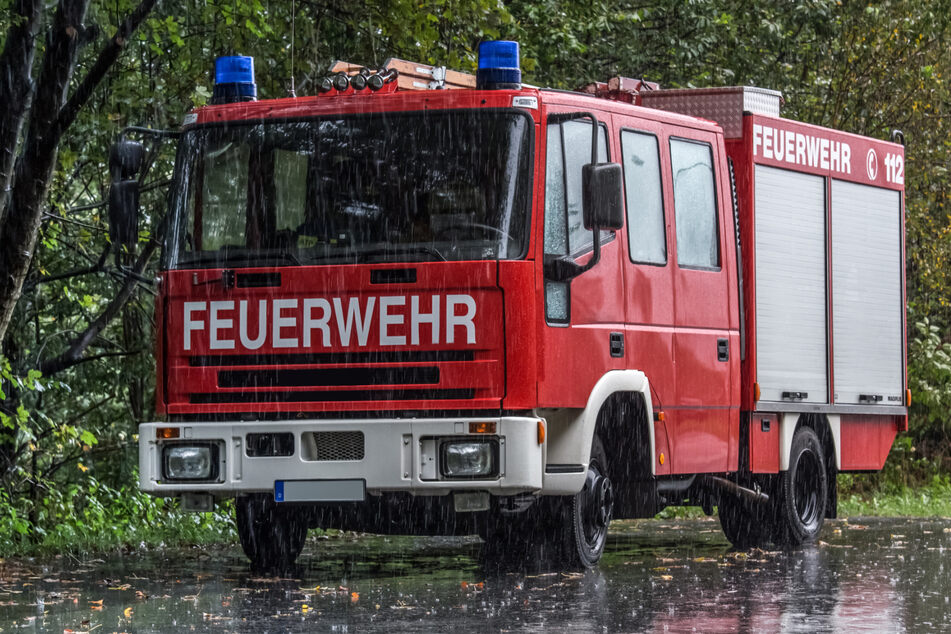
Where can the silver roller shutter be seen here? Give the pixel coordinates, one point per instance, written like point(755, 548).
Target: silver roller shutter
point(866, 293)
point(791, 324)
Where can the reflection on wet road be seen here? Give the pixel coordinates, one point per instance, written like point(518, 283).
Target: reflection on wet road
point(875, 575)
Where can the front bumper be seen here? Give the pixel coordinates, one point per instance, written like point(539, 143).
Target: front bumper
point(398, 455)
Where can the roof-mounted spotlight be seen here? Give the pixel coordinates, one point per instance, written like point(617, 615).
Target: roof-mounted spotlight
point(341, 82)
point(325, 85)
point(359, 82)
point(375, 82)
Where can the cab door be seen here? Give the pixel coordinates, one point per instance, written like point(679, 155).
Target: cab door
point(702, 418)
point(647, 262)
point(579, 315)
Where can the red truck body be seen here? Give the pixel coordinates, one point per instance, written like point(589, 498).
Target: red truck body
point(682, 339)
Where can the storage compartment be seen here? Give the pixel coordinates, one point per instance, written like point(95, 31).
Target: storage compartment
point(867, 295)
point(791, 325)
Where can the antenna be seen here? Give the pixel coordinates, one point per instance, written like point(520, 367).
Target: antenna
point(293, 92)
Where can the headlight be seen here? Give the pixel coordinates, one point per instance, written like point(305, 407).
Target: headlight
point(470, 459)
point(185, 462)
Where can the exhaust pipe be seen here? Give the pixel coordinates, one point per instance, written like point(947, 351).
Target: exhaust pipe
point(728, 486)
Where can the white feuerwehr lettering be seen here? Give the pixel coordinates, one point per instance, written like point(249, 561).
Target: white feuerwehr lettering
point(258, 341)
point(465, 320)
point(388, 319)
point(283, 322)
point(191, 325)
point(293, 322)
point(310, 323)
point(801, 149)
point(220, 323)
point(345, 324)
point(416, 318)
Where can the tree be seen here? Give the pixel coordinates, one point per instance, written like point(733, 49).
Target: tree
point(50, 108)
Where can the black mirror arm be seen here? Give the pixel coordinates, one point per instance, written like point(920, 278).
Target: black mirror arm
point(562, 268)
point(153, 132)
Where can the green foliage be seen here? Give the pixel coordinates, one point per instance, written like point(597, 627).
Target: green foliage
point(929, 378)
point(66, 469)
point(90, 516)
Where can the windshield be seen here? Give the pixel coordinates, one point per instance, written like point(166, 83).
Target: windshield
point(449, 185)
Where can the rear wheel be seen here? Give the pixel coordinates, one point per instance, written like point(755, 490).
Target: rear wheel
point(272, 537)
point(802, 491)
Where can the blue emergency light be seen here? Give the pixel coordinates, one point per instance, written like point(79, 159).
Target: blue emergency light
point(234, 80)
point(498, 66)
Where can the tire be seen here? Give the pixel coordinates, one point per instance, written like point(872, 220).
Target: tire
point(589, 513)
point(272, 537)
point(745, 526)
point(557, 532)
point(802, 492)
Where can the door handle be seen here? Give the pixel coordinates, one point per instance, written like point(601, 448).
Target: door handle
point(723, 349)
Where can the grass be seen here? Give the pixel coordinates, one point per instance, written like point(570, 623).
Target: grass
point(927, 499)
point(130, 520)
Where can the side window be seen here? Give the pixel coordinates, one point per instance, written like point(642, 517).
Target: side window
point(568, 150)
point(646, 233)
point(695, 207)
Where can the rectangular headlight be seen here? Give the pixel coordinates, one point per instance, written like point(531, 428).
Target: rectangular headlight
point(469, 458)
point(191, 462)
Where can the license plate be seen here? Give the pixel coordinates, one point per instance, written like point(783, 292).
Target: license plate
point(319, 491)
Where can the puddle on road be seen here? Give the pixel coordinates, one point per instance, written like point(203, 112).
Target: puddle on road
point(865, 575)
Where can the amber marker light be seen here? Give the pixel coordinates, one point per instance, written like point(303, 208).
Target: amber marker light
point(661, 458)
point(541, 432)
point(756, 392)
point(908, 397)
point(482, 428)
point(167, 433)
point(660, 416)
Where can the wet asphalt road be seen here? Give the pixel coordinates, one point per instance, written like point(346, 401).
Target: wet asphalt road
point(875, 575)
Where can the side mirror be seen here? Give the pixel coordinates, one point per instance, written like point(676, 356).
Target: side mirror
point(125, 161)
point(601, 196)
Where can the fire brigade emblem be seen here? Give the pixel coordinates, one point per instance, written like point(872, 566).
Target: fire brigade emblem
point(871, 165)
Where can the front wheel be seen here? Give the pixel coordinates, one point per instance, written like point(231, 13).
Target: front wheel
point(802, 491)
point(589, 513)
point(271, 536)
point(556, 532)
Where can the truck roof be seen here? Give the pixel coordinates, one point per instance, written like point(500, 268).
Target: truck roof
point(416, 100)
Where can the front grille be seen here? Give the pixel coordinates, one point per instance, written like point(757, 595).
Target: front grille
point(335, 377)
point(329, 396)
point(338, 445)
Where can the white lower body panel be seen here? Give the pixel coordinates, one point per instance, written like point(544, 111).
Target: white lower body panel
point(398, 455)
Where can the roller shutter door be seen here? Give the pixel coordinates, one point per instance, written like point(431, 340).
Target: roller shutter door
point(866, 294)
point(791, 324)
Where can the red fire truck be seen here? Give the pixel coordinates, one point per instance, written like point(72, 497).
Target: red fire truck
point(427, 302)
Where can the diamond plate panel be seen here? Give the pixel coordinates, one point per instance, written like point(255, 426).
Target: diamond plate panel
point(723, 105)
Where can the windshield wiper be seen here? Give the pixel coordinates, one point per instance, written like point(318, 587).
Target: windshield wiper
point(402, 250)
point(231, 255)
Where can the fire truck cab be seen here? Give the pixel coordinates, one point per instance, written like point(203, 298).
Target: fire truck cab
point(518, 312)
